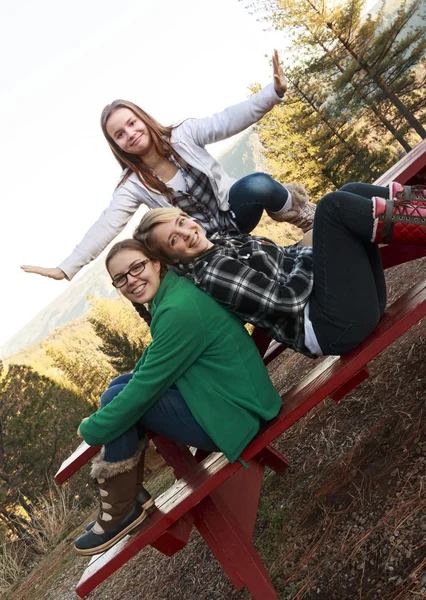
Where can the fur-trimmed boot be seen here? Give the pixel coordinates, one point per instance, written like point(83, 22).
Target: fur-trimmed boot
point(302, 211)
point(119, 513)
point(402, 218)
point(143, 497)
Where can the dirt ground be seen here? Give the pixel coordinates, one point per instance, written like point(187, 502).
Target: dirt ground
point(346, 522)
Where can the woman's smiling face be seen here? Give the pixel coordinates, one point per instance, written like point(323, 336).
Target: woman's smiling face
point(181, 239)
point(140, 287)
point(129, 132)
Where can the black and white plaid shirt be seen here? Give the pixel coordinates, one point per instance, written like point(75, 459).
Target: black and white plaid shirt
point(261, 283)
point(199, 202)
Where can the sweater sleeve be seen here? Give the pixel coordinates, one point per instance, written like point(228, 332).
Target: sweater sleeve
point(110, 223)
point(244, 289)
point(233, 119)
point(178, 340)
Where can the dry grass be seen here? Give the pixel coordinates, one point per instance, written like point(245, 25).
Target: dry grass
point(12, 565)
point(57, 513)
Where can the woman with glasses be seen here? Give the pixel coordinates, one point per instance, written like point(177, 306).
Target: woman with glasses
point(200, 382)
point(164, 166)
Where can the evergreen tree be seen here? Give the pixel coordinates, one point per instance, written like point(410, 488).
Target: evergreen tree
point(124, 335)
point(380, 56)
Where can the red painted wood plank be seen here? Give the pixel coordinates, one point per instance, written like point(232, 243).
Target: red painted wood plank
point(349, 385)
point(225, 529)
point(240, 496)
point(274, 460)
point(397, 255)
point(408, 166)
point(175, 537)
point(77, 459)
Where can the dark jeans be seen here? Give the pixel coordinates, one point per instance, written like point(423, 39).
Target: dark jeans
point(250, 195)
point(170, 417)
point(349, 293)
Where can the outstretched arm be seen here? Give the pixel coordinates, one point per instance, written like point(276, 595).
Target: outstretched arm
point(110, 223)
point(54, 273)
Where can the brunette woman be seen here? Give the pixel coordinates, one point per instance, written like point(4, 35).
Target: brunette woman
point(164, 166)
point(200, 382)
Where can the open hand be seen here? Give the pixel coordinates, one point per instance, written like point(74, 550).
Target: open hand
point(280, 80)
point(54, 273)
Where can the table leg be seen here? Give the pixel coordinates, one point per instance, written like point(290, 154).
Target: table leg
point(237, 555)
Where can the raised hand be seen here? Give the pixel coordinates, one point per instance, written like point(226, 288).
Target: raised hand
point(54, 273)
point(280, 80)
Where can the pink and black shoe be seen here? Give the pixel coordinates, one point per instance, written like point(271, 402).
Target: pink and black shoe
point(402, 218)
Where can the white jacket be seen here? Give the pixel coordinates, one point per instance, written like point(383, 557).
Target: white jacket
point(189, 140)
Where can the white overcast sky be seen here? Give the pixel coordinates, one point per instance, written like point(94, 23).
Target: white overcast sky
point(62, 62)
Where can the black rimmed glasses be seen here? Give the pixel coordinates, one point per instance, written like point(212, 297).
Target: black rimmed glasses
point(137, 269)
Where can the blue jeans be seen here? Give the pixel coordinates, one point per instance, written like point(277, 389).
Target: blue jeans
point(250, 195)
point(170, 417)
point(349, 293)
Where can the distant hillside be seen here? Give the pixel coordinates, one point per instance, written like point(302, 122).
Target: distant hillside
point(390, 8)
point(242, 158)
point(69, 305)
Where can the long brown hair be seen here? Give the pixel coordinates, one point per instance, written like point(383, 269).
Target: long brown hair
point(160, 136)
point(144, 231)
point(131, 244)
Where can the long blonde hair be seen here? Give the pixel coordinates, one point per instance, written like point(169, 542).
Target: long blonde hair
point(160, 136)
point(144, 231)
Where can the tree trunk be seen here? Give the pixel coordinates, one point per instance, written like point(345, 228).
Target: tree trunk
point(352, 150)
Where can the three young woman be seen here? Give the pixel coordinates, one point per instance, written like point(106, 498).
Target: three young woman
point(201, 382)
point(321, 300)
point(164, 166)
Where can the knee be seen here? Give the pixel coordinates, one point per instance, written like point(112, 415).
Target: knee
point(120, 379)
point(350, 187)
point(329, 202)
point(256, 183)
point(110, 394)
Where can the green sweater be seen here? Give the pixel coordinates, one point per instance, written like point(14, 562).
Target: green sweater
point(198, 345)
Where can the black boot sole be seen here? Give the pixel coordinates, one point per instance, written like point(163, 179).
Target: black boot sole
point(107, 545)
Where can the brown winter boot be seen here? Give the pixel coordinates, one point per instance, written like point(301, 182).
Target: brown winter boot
point(302, 211)
point(402, 218)
point(142, 495)
point(119, 513)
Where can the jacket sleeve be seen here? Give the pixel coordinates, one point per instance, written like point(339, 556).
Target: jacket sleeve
point(113, 219)
point(233, 119)
point(244, 289)
point(177, 343)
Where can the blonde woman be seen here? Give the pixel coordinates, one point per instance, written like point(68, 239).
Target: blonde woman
point(318, 300)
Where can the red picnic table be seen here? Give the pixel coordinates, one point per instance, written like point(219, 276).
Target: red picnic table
point(220, 499)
